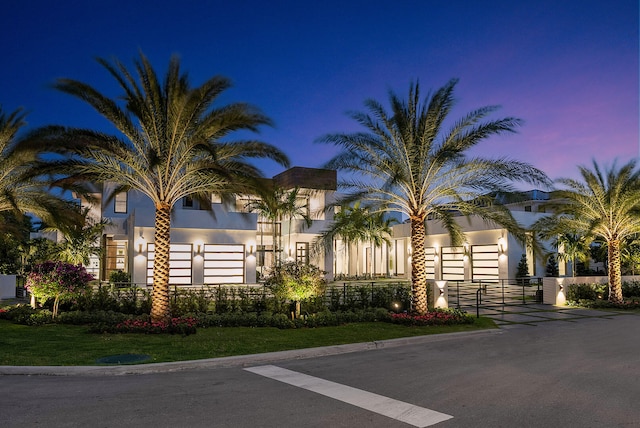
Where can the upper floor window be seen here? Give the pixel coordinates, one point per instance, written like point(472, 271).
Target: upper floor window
point(245, 204)
point(187, 202)
point(120, 203)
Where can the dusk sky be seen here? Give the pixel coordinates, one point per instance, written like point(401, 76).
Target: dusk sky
point(569, 69)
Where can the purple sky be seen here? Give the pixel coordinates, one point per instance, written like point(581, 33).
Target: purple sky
point(569, 69)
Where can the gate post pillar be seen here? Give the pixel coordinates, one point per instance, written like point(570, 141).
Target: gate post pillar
point(440, 294)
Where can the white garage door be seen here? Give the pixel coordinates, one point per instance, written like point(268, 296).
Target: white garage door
point(485, 262)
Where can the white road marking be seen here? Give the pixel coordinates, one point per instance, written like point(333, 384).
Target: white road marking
point(399, 410)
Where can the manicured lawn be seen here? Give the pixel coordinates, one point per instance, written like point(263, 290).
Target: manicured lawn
point(53, 345)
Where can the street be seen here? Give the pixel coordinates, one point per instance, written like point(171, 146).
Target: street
point(556, 374)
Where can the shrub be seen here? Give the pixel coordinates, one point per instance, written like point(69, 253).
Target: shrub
point(578, 292)
point(57, 281)
point(296, 282)
point(183, 326)
point(631, 289)
point(434, 317)
point(119, 278)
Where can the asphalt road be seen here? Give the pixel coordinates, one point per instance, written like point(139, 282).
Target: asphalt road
point(556, 374)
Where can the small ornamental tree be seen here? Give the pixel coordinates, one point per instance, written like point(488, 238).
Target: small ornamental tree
point(296, 282)
point(522, 273)
point(58, 281)
point(552, 266)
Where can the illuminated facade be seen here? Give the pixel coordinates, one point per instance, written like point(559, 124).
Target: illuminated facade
point(230, 245)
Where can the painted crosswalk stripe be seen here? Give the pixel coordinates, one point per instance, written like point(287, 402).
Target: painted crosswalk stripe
point(398, 410)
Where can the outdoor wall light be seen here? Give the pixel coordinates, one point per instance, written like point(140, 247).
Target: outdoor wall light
point(441, 284)
point(198, 247)
point(251, 250)
point(141, 242)
point(502, 246)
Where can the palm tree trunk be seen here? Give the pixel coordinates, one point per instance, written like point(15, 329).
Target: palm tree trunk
point(160, 310)
point(615, 277)
point(418, 266)
point(274, 246)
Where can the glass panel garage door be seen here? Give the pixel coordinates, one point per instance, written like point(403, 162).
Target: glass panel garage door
point(485, 262)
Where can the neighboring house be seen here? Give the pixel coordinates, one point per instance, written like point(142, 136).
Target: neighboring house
point(229, 245)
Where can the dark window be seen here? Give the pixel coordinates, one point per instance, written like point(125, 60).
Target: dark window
point(302, 252)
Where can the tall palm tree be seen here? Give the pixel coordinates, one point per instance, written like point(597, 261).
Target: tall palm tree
point(605, 204)
point(171, 144)
point(407, 162)
point(22, 187)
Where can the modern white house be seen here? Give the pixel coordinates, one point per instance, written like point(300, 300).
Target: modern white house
point(226, 244)
point(229, 245)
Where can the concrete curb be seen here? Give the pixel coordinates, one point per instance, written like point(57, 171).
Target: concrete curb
point(235, 361)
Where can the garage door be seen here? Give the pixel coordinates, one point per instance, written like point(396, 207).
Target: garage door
point(453, 263)
point(485, 262)
point(224, 264)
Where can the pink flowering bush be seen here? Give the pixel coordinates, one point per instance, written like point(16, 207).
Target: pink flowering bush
point(183, 326)
point(434, 317)
point(58, 281)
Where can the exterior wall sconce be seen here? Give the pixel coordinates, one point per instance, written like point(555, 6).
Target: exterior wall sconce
point(141, 241)
point(502, 245)
point(198, 247)
point(441, 285)
point(251, 250)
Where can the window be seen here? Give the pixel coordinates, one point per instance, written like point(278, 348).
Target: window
point(302, 252)
point(303, 202)
point(120, 203)
point(187, 202)
point(244, 204)
point(527, 208)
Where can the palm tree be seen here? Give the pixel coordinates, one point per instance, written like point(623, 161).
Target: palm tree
point(170, 145)
point(571, 245)
point(81, 240)
point(406, 162)
point(269, 207)
point(291, 208)
point(353, 225)
point(575, 247)
point(22, 188)
point(378, 232)
point(605, 204)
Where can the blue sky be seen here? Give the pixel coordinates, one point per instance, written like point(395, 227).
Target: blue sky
point(569, 69)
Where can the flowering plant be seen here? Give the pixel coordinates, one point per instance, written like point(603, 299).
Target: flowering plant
point(434, 317)
point(184, 326)
point(57, 280)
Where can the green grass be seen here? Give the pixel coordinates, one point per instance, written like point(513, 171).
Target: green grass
point(68, 345)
